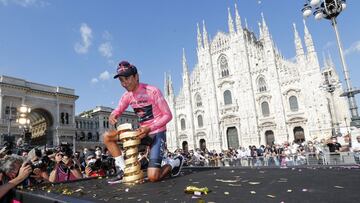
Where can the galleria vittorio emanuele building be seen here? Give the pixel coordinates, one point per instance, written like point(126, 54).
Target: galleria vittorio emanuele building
point(242, 92)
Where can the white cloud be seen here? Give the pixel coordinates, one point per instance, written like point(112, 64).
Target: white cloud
point(94, 80)
point(106, 49)
point(355, 47)
point(104, 75)
point(86, 37)
point(24, 3)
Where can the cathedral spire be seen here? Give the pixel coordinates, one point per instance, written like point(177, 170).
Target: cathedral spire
point(308, 39)
point(265, 28)
point(230, 22)
point(166, 87)
point(298, 43)
point(185, 66)
point(171, 88)
point(205, 36)
point(199, 37)
point(237, 19)
point(260, 31)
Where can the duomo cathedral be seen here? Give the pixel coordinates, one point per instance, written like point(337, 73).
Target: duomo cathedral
point(243, 92)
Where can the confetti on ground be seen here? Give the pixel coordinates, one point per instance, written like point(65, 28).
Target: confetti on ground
point(235, 185)
point(304, 190)
point(226, 193)
point(127, 190)
point(227, 181)
point(253, 192)
point(254, 183)
point(337, 186)
point(271, 196)
point(197, 193)
point(289, 191)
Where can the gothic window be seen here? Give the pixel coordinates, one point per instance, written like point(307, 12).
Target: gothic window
point(227, 97)
point(261, 85)
point(224, 67)
point(182, 123)
point(293, 103)
point(198, 100)
point(200, 121)
point(265, 109)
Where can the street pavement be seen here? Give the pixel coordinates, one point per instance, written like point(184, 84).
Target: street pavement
point(300, 184)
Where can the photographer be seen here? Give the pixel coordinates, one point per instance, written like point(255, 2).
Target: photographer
point(65, 168)
point(93, 165)
point(39, 166)
point(12, 172)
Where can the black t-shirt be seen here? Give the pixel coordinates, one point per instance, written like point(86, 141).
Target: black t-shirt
point(333, 147)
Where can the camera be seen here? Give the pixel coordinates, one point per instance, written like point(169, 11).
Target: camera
point(8, 147)
point(95, 165)
point(42, 163)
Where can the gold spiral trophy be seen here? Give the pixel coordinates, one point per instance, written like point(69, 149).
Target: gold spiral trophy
point(133, 173)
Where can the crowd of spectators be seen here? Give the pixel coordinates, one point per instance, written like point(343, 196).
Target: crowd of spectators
point(321, 152)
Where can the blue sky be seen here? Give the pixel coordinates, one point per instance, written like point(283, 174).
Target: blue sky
point(77, 44)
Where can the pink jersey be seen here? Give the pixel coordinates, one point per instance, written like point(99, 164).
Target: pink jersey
point(149, 105)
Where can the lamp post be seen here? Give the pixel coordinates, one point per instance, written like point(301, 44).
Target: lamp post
point(23, 119)
point(330, 9)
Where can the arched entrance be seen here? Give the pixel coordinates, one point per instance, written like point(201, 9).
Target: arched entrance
point(202, 144)
point(299, 135)
point(269, 137)
point(232, 138)
point(185, 146)
point(41, 123)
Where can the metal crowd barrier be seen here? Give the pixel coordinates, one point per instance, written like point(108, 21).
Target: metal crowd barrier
point(327, 158)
